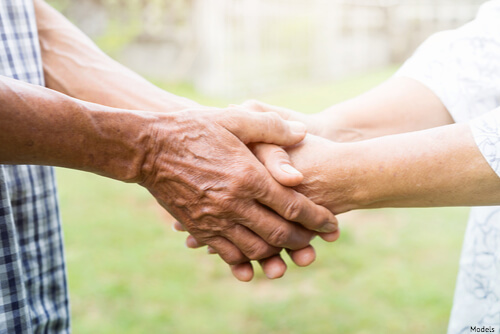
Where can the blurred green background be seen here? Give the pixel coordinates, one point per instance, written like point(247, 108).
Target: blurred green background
point(392, 271)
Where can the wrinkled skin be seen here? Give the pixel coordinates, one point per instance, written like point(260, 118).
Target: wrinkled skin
point(223, 195)
point(304, 156)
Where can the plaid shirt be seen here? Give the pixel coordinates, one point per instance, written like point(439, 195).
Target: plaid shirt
point(33, 289)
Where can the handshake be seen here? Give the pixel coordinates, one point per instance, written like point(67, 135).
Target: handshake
point(227, 177)
point(247, 181)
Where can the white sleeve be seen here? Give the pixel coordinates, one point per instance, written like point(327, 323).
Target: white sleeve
point(486, 132)
point(462, 66)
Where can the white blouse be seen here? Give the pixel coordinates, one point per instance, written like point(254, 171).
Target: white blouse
point(462, 67)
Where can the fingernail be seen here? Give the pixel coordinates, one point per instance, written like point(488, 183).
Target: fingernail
point(297, 127)
point(289, 169)
point(210, 250)
point(173, 228)
point(328, 227)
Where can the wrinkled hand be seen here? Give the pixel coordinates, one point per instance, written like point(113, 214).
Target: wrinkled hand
point(278, 164)
point(312, 157)
point(199, 169)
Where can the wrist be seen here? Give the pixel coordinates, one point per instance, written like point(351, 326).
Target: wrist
point(43, 127)
point(115, 142)
point(331, 175)
point(347, 178)
point(359, 172)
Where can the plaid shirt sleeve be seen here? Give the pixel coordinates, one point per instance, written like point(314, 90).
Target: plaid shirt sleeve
point(33, 288)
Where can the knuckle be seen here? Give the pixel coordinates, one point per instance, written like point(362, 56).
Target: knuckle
point(229, 254)
point(245, 181)
point(204, 213)
point(248, 170)
point(225, 202)
point(233, 258)
point(279, 236)
point(249, 177)
point(261, 188)
point(258, 251)
point(211, 226)
point(292, 211)
point(274, 118)
point(278, 154)
point(253, 252)
point(253, 179)
point(275, 122)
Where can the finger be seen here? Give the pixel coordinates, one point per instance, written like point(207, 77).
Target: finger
point(313, 124)
point(302, 257)
point(259, 106)
point(178, 227)
point(210, 250)
point(296, 207)
point(227, 250)
point(275, 230)
point(243, 271)
point(250, 244)
point(253, 127)
point(191, 242)
point(330, 237)
point(277, 163)
point(273, 267)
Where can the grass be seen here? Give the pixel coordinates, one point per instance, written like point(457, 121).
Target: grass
point(392, 270)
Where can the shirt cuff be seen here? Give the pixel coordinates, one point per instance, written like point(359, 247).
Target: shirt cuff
point(486, 132)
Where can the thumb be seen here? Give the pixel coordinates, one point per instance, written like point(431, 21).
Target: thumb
point(254, 127)
point(277, 162)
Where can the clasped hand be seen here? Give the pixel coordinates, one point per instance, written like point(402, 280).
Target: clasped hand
point(203, 172)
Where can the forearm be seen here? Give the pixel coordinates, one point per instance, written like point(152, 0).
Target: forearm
point(398, 105)
point(40, 126)
point(75, 66)
point(430, 168)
